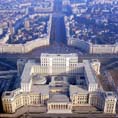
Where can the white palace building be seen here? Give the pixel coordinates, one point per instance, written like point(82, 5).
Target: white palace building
point(61, 83)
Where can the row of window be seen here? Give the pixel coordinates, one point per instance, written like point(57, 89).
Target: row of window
point(109, 110)
point(8, 107)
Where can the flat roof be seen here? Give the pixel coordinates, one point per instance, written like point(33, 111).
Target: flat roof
point(43, 89)
point(75, 89)
point(26, 77)
point(58, 98)
point(89, 72)
point(111, 95)
point(58, 55)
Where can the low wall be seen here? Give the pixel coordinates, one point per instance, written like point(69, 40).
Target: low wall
point(25, 110)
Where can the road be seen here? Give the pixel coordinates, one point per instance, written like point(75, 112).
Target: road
point(89, 115)
point(60, 32)
point(54, 49)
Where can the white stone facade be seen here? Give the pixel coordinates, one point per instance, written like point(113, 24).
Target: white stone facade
point(86, 92)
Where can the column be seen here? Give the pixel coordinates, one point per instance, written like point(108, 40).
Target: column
point(61, 106)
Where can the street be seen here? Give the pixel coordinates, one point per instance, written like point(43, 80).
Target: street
point(88, 115)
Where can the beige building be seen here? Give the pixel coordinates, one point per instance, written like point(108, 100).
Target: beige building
point(110, 103)
point(60, 94)
point(79, 96)
point(59, 64)
point(59, 104)
point(66, 2)
point(103, 49)
point(27, 24)
point(105, 101)
point(13, 100)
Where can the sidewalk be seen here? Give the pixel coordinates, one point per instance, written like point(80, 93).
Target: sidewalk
point(25, 110)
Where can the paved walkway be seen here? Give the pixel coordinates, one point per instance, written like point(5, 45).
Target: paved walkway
point(26, 110)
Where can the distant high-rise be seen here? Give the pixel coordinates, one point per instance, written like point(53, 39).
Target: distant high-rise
point(27, 24)
point(11, 28)
point(1, 30)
